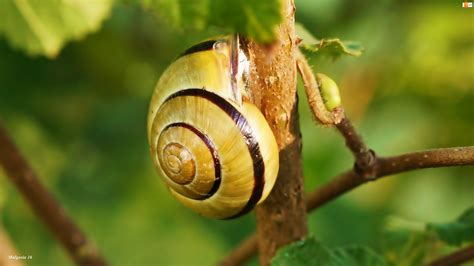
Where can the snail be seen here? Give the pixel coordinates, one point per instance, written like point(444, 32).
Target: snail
point(211, 146)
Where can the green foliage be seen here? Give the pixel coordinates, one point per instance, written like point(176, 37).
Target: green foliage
point(457, 232)
point(254, 18)
point(303, 252)
point(357, 256)
point(43, 27)
point(333, 48)
point(311, 252)
point(180, 13)
point(407, 247)
point(408, 243)
point(80, 120)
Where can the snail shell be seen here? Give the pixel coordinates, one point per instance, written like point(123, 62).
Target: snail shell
point(210, 145)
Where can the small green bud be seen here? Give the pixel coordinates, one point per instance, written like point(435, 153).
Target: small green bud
point(329, 91)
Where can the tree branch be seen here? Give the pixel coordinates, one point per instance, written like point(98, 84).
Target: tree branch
point(364, 157)
point(245, 250)
point(456, 258)
point(281, 218)
point(367, 166)
point(391, 165)
point(313, 94)
point(81, 250)
point(384, 166)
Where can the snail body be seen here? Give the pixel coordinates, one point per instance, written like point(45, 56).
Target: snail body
point(211, 146)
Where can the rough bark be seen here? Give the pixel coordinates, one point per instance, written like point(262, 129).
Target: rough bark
point(281, 219)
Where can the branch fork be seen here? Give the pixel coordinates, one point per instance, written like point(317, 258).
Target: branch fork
point(367, 166)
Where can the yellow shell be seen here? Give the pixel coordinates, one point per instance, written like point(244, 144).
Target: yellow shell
point(211, 146)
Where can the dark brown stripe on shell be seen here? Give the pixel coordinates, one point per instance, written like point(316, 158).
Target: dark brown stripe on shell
point(250, 139)
point(200, 47)
point(215, 156)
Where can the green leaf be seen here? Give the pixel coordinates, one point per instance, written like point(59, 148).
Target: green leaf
point(357, 256)
point(305, 36)
point(180, 14)
point(404, 247)
point(303, 252)
point(43, 27)
point(333, 48)
point(254, 18)
point(457, 232)
point(311, 252)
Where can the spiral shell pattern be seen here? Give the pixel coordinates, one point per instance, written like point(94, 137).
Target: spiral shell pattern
point(218, 157)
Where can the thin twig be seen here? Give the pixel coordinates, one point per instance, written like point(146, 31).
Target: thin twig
point(313, 94)
point(351, 179)
point(364, 157)
point(353, 141)
point(388, 166)
point(81, 250)
point(240, 254)
point(456, 258)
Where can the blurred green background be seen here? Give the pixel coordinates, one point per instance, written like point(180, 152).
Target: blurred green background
point(80, 119)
